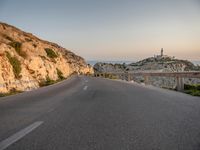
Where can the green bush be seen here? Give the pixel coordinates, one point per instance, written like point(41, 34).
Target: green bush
point(193, 92)
point(192, 89)
point(198, 87)
point(13, 91)
point(47, 82)
point(18, 48)
point(110, 76)
point(15, 64)
point(4, 94)
point(16, 45)
point(50, 53)
point(60, 74)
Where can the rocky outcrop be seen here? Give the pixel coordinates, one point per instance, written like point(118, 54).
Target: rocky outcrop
point(27, 60)
point(162, 64)
point(108, 67)
point(153, 64)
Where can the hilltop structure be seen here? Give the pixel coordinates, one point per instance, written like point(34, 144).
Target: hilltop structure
point(162, 51)
point(161, 56)
point(159, 63)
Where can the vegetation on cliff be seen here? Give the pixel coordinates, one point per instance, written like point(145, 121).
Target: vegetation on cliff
point(27, 60)
point(18, 48)
point(16, 65)
point(50, 53)
point(60, 74)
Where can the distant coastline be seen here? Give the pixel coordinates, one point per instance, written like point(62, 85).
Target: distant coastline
point(196, 62)
point(93, 62)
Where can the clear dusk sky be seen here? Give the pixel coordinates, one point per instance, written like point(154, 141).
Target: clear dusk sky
point(111, 29)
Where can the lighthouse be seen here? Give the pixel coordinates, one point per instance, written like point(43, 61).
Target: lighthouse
point(161, 53)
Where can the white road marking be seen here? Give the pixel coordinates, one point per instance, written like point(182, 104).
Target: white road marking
point(86, 81)
point(17, 136)
point(85, 87)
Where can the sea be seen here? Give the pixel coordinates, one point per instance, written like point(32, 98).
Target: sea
point(93, 62)
point(196, 62)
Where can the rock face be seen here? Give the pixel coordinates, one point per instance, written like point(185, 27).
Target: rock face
point(108, 67)
point(162, 64)
point(156, 64)
point(153, 64)
point(27, 60)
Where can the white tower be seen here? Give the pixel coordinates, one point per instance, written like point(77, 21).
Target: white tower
point(162, 51)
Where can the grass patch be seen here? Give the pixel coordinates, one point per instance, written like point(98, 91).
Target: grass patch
point(13, 91)
point(60, 74)
point(193, 92)
point(50, 53)
point(108, 75)
point(142, 80)
point(15, 64)
point(18, 48)
point(47, 82)
point(192, 89)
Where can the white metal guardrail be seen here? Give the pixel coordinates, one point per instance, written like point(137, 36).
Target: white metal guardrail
point(178, 75)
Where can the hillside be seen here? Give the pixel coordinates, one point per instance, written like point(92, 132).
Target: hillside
point(163, 64)
point(153, 64)
point(27, 61)
point(157, 64)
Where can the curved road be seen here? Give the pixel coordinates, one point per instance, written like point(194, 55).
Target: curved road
point(85, 113)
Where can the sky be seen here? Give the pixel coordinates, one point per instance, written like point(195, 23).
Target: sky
point(111, 29)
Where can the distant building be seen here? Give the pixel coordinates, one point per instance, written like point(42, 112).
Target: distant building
point(162, 51)
point(162, 55)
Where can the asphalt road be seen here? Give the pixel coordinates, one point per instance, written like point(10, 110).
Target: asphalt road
point(85, 113)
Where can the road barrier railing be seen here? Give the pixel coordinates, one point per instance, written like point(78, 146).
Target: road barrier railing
point(128, 75)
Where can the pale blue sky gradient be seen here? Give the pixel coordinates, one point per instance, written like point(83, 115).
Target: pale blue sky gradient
point(111, 29)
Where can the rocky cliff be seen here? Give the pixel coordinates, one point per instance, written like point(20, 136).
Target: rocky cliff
point(26, 61)
point(162, 64)
point(156, 64)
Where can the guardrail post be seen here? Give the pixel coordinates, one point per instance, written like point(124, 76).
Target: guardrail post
point(179, 84)
point(128, 77)
point(120, 76)
point(146, 79)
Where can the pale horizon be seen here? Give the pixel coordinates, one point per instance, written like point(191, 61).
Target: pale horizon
point(111, 30)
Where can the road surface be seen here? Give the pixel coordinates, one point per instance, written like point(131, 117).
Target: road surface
point(85, 113)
